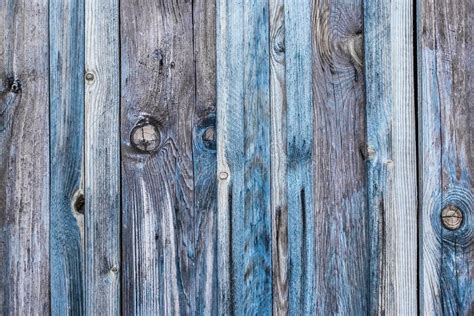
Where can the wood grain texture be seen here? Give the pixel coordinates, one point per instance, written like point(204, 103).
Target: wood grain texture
point(244, 211)
point(169, 195)
point(102, 158)
point(446, 149)
point(391, 137)
point(299, 122)
point(24, 163)
point(66, 52)
point(279, 203)
point(340, 207)
point(204, 158)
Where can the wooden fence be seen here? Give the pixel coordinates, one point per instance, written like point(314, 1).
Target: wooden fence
point(242, 157)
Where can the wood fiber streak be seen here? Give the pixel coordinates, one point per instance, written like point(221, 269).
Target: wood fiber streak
point(391, 129)
point(244, 210)
point(340, 207)
point(102, 158)
point(169, 195)
point(66, 27)
point(445, 80)
point(24, 164)
point(279, 203)
point(299, 142)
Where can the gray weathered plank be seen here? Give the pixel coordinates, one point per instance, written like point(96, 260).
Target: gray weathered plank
point(244, 157)
point(446, 133)
point(66, 52)
point(102, 158)
point(299, 120)
point(24, 158)
point(161, 225)
point(204, 158)
point(340, 207)
point(279, 203)
point(391, 138)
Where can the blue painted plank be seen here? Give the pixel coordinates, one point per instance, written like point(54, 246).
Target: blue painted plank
point(244, 157)
point(391, 137)
point(66, 35)
point(446, 155)
point(299, 122)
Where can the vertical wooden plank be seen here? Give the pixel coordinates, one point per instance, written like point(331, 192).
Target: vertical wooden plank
point(446, 133)
point(168, 198)
point(244, 212)
point(340, 246)
point(299, 121)
point(24, 163)
point(205, 158)
point(279, 203)
point(102, 158)
point(66, 52)
point(391, 137)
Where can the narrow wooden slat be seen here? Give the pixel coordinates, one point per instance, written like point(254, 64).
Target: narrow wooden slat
point(164, 226)
point(446, 154)
point(299, 122)
point(244, 212)
point(66, 34)
point(204, 158)
point(24, 158)
point(278, 158)
point(339, 195)
point(391, 137)
point(102, 158)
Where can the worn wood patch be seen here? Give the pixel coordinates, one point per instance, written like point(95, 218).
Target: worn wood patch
point(446, 154)
point(102, 158)
point(24, 158)
point(66, 52)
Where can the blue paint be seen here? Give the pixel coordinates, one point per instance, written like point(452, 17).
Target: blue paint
point(300, 152)
point(66, 26)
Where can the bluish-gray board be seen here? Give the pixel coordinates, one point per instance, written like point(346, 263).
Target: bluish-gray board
point(66, 51)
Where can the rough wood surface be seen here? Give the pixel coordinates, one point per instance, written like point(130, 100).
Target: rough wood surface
point(339, 194)
point(24, 163)
point(446, 151)
point(204, 158)
point(391, 138)
point(244, 158)
point(66, 27)
point(299, 120)
point(169, 195)
point(102, 158)
point(279, 203)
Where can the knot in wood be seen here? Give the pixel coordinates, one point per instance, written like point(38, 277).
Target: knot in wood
point(145, 136)
point(15, 86)
point(89, 76)
point(451, 217)
point(209, 138)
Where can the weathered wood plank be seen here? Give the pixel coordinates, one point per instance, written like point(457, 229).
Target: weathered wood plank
point(279, 203)
point(102, 158)
point(446, 133)
point(244, 157)
point(24, 158)
point(299, 120)
point(66, 52)
point(339, 195)
point(168, 199)
point(204, 158)
point(391, 138)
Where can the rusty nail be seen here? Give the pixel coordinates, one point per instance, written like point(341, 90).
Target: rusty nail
point(451, 217)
